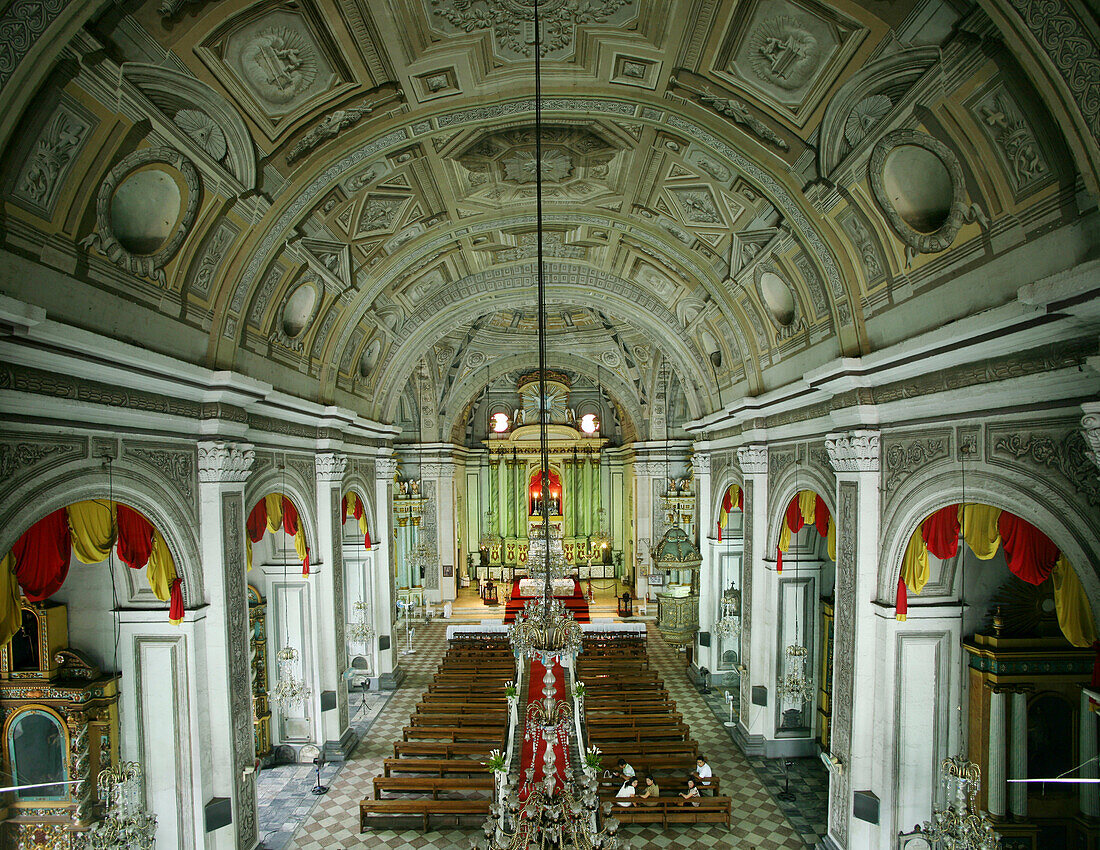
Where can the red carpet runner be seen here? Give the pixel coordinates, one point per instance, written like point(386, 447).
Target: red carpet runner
point(532, 753)
point(576, 603)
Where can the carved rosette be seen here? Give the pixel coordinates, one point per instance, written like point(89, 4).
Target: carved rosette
point(331, 466)
point(1090, 427)
point(753, 459)
point(221, 463)
point(856, 451)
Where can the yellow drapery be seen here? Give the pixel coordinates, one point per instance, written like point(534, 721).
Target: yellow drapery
point(161, 570)
point(1074, 611)
point(363, 523)
point(93, 528)
point(11, 605)
point(807, 504)
point(785, 537)
point(979, 529)
point(300, 543)
point(248, 550)
point(914, 565)
point(349, 505)
point(830, 539)
point(274, 504)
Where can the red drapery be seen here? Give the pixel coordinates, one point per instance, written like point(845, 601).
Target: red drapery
point(1029, 553)
point(42, 555)
point(532, 753)
point(940, 532)
point(135, 537)
point(821, 517)
point(256, 524)
point(175, 604)
point(903, 600)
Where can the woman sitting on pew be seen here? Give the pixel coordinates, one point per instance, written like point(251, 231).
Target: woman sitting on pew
point(691, 796)
point(652, 791)
point(628, 790)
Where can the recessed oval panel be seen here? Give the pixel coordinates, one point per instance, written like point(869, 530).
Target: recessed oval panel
point(777, 298)
point(299, 310)
point(369, 359)
point(145, 209)
point(918, 185)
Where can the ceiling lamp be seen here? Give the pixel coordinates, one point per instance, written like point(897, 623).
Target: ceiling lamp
point(961, 825)
point(126, 824)
point(553, 814)
point(794, 686)
point(289, 690)
point(360, 630)
point(728, 626)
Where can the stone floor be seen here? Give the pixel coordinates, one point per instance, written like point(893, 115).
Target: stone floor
point(758, 823)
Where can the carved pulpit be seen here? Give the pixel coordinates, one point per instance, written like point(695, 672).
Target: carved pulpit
point(60, 725)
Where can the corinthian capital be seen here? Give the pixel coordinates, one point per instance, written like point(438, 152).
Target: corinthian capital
point(855, 451)
point(221, 462)
point(385, 468)
point(331, 466)
point(700, 463)
point(1090, 427)
point(753, 459)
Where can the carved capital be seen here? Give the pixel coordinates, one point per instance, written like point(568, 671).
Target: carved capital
point(1090, 427)
point(651, 468)
point(221, 462)
point(438, 469)
point(331, 466)
point(753, 459)
point(385, 468)
point(700, 464)
point(855, 451)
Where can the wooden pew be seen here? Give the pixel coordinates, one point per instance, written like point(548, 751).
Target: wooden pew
point(390, 814)
point(443, 749)
point(668, 810)
point(466, 734)
point(430, 784)
point(615, 750)
point(439, 767)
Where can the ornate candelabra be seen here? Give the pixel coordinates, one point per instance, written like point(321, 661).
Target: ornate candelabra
point(127, 824)
point(960, 825)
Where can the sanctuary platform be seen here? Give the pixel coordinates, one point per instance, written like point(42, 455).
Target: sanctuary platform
point(574, 601)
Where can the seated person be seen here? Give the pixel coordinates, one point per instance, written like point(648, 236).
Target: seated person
point(691, 796)
point(703, 774)
point(629, 789)
point(626, 772)
point(651, 791)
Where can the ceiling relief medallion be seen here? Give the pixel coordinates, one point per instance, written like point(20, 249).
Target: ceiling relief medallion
point(278, 63)
point(297, 313)
point(779, 300)
point(51, 155)
point(788, 53)
point(509, 22)
point(144, 210)
point(577, 164)
point(919, 185)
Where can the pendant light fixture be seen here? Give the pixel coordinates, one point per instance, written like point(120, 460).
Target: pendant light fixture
point(422, 558)
point(290, 690)
point(557, 813)
point(796, 686)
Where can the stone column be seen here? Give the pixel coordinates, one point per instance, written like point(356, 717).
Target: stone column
point(700, 468)
point(229, 752)
point(589, 493)
point(330, 604)
point(1017, 756)
point(756, 722)
point(1088, 792)
point(382, 606)
point(854, 457)
point(441, 473)
point(995, 772)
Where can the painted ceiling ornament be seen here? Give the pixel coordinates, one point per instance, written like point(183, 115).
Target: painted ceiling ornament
point(557, 165)
point(783, 53)
point(279, 63)
point(864, 116)
point(204, 131)
point(331, 126)
point(736, 111)
point(509, 20)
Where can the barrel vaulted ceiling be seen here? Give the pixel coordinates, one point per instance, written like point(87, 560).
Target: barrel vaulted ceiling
point(337, 196)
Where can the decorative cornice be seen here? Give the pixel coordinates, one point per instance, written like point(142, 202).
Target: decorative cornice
point(331, 466)
point(650, 468)
point(221, 462)
point(855, 451)
point(753, 459)
point(1090, 427)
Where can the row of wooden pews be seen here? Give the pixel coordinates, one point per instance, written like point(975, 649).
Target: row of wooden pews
point(437, 775)
point(629, 715)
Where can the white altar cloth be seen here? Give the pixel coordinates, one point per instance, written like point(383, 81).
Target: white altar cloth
point(534, 586)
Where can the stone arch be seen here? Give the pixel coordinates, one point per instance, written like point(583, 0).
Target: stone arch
point(89, 479)
point(301, 493)
point(728, 478)
point(1044, 506)
point(782, 490)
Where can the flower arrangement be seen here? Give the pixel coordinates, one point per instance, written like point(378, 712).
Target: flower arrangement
point(593, 758)
point(510, 690)
point(578, 690)
point(495, 762)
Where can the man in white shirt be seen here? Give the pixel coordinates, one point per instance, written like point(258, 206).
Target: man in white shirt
point(703, 774)
point(626, 772)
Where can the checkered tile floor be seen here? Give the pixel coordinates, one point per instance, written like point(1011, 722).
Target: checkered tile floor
point(758, 824)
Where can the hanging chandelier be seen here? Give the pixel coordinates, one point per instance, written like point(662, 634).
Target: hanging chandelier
point(960, 825)
point(602, 538)
point(360, 630)
point(289, 690)
point(728, 626)
point(795, 686)
point(489, 539)
point(546, 552)
point(126, 824)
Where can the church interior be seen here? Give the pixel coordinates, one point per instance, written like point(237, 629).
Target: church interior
point(421, 419)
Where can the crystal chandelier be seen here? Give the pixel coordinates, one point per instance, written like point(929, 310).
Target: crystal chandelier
point(126, 824)
point(421, 557)
point(539, 559)
point(602, 538)
point(545, 629)
point(728, 626)
point(488, 539)
point(795, 687)
point(289, 690)
point(360, 630)
point(961, 825)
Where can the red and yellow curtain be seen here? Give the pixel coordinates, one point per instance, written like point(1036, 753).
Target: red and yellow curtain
point(1029, 553)
point(272, 512)
point(38, 563)
point(806, 508)
point(734, 498)
point(352, 506)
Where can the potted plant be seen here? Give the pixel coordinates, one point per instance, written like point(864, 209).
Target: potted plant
point(495, 762)
point(593, 759)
